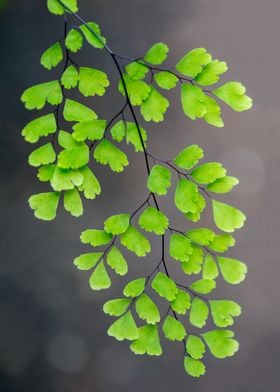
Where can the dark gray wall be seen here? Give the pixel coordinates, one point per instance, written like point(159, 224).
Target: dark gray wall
point(52, 330)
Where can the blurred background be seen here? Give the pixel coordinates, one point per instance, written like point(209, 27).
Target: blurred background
point(52, 329)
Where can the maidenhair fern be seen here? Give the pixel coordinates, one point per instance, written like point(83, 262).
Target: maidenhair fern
point(73, 135)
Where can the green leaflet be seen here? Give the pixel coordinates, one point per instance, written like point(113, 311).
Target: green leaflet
point(92, 82)
point(136, 242)
point(99, 279)
point(138, 91)
point(70, 77)
point(124, 328)
point(75, 111)
point(227, 217)
point(87, 261)
point(221, 343)
point(192, 63)
point(116, 307)
point(45, 173)
point(202, 236)
point(41, 126)
point(108, 154)
point(135, 288)
point(223, 185)
point(194, 262)
point(116, 261)
point(223, 312)
point(210, 74)
point(166, 80)
point(95, 237)
point(93, 36)
point(117, 224)
point(164, 286)
point(194, 367)
point(195, 347)
point(180, 247)
point(222, 242)
point(52, 56)
point(148, 341)
point(203, 286)
point(233, 271)
point(90, 185)
point(42, 155)
point(159, 180)
point(198, 313)
point(147, 309)
point(73, 202)
point(74, 40)
point(193, 101)
point(186, 196)
point(44, 205)
point(200, 206)
point(173, 329)
point(64, 179)
point(132, 135)
point(75, 155)
point(136, 70)
point(154, 107)
point(154, 221)
point(233, 94)
point(89, 130)
point(189, 157)
point(36, 97)
point(181, 303)
point(210, 268)
point(213, 112)
point(157, 53)
point(208, 172)
point(118, 131)
point(55, 7)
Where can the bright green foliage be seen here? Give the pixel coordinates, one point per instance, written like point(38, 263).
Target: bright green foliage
point(233, 93)
point(210, 268)
point(154, 221)
point(108, 154)
point(74, 41)
point(199, 313)
point(118, 131)
point(227, 217)
point(124, 328)
point(194, 262)
point(192, 63)
point(164, 286)
point(195, 347)
point(221, 343)
point(70, 77)
point(223, 185)
point(36, 97)
point(75, 111)
point(208, 172)
point(135, 288)
point(157, 54)
point(89, 130)
point(213, 112)
point(194, 367)
point(92, 82)
point(200, 205)
point(136, 242)
point(73, 202)
point(181, 303)
point(203, 286)
point(44, 205)
point(136, 70)
point(222, 242)
point(223, 312)
point(188, 157)
point(202, 236)
point(64, 179)
point(99, 279)
point(42, 155)
point(117, 224)
point(148, 341)
point(210, 74)
point(180, 247)
point(87, 261)
point(132, 135)
point(52, 56)
point(173, 329)
point(116, 261)
point(193, 99)
point(55, 7)
point(186, 196)
point(95, 237)
point(90, 185)
point(75, 155)
point(154, 107)
point(138, 91)
point(166, 80)
point(41, 126)
point(233, 271)
point(159, 180)
point(147, 309)
point(116, 307)
point(92, 34)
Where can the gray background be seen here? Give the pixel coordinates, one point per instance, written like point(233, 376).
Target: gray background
point(52, 330)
